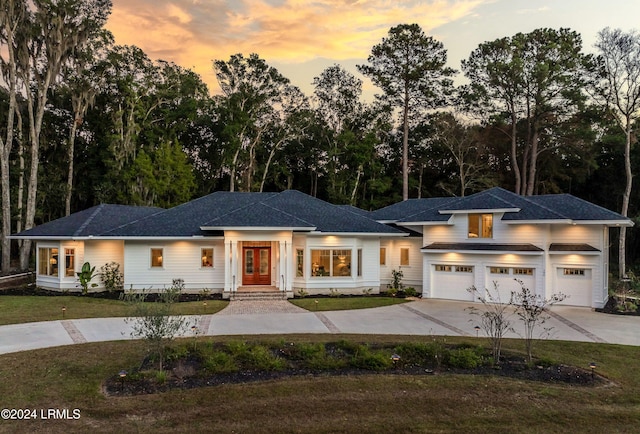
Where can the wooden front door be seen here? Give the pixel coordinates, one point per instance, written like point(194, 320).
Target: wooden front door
point(256, 265)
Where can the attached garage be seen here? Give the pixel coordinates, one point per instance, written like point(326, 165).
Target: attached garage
point(450, 282)
point(504, 279)
point(576, 283)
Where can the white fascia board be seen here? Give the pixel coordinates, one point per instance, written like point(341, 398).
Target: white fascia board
point(358, 234)
point(386, 222)
point(256, 228)
point(429, 223)
point(478, 211)
point(573, 252)
point(538, 222)
point(612, 223)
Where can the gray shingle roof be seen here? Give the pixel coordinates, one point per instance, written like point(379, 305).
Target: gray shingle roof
point(214, 212)
point(94, 221)
point(525, 208)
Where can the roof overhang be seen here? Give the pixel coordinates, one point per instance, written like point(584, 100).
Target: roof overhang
point(428, 223)
point(127, 238)
point(483, 249)
point(573, 249)
point(258, 228)
point(478, 211)
point(359, 234)
point(612, 223)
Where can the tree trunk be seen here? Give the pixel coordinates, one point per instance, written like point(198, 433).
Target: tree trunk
point(70, 155)
point(533, 161)
point(622, 249)
point(405, 146)
point(514, 153)
point(352, 202)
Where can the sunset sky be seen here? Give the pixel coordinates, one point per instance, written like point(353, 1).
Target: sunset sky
point(301, 38)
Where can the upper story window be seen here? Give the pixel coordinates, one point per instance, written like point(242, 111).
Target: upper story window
point(480, 225)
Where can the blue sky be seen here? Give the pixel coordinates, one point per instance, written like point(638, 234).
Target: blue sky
point(301, 37)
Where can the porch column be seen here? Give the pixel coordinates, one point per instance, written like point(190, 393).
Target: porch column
point(230, 266)
point(287, 265)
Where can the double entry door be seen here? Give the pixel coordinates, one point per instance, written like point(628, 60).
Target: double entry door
point(256, 265)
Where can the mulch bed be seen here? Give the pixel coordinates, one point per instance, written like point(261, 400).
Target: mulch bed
point(188, 374)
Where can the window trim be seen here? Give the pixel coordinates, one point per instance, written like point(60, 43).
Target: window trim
point(406, 263)
point(51, 261)
point(151, 258)
point(484, 231)
point(299, 262)
point(332, 266)
point(203, 257)
point(70, 271)
point(383, 256)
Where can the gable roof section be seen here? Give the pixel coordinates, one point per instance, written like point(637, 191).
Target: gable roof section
point(413, 210)
point(91, 222)
point(298, 211)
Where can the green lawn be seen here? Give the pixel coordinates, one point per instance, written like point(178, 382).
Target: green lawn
point(71, 378)
point(345, 303)
point(27, 308)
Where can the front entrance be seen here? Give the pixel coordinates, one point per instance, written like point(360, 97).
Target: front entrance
point(256, 265)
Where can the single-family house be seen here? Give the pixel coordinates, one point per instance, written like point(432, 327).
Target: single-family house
point(224, 242)
point(230, 242)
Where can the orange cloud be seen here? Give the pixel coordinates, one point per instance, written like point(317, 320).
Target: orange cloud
point(193, 33)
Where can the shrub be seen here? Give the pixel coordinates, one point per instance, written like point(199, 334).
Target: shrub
point(463, 358)
point(219, 362)
point(111, 277)
point(410, 292)
point(370, 360)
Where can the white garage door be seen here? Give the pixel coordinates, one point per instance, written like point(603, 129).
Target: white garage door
point(450, 282)
point(576, 283)
point(502, 281)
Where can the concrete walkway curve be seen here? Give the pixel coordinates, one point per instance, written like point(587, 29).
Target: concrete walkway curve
point(421, 317)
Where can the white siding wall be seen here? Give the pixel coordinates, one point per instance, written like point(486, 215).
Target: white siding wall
point(99, 253)
point(412, 274)
point(181, 260)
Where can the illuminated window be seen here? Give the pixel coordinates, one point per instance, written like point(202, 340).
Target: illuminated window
point(480, 225)
point(574, 271)
point(69, 262)
point(404, 256)
point(325, 263)
point(446, 268)
point(523, 271)
point(299, 263)
point(499, 270)
point(156, 258)
point(48, 261)
point(206, 257)
point(383, 256)
point(464, 269)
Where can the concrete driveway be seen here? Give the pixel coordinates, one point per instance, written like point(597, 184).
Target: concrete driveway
point(421, 317)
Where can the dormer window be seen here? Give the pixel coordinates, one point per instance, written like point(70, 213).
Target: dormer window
point(480, 225)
